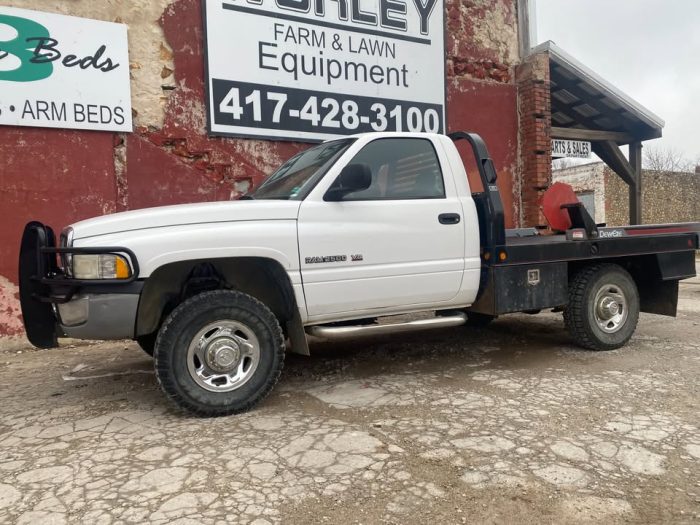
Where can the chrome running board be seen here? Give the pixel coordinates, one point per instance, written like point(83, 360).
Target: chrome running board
point(346, 332)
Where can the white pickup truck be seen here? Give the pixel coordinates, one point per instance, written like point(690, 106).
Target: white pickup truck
point(344, 233)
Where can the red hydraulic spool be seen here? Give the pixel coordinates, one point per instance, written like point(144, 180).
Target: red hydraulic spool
point(552, 201)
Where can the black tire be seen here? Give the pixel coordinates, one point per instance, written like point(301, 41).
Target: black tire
point(477, 320)
point(192, 317)
point(582, 315)
point(147, 342)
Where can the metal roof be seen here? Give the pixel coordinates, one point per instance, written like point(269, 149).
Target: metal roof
point(582, 99)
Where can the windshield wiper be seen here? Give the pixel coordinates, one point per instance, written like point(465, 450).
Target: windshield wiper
point(246, 198)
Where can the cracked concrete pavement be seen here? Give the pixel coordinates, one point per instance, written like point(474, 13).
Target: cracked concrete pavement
point(510, 423)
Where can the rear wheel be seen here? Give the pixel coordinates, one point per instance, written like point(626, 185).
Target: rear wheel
point(603, 307)
point(219, 353)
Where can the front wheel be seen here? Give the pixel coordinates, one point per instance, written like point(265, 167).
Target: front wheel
point(603, 307)
point(219, 353)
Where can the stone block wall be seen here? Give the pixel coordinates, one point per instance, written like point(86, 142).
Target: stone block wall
point(666, 197)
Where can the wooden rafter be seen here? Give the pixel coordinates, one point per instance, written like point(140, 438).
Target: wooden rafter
point(593, 101)
point(591, 134)
point(610, 153)
point(576, 117)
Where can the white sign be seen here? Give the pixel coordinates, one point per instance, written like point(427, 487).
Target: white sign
point(577, 149)
point(60, 71)
point(316, 69)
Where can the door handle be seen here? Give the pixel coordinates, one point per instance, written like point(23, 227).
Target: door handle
point(449, 218)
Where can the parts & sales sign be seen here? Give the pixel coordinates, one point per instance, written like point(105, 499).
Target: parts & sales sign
point(60, 71)
point(576, 149)
point(317, 69)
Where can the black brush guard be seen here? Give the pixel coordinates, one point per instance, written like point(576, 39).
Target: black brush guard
point(43, 284)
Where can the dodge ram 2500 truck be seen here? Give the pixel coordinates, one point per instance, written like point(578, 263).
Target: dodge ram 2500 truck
point(344, 233)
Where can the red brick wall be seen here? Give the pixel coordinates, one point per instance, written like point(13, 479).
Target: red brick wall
point(535, 111)
point(59, 177)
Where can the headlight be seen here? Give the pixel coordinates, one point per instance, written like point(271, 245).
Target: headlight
point(100, 266)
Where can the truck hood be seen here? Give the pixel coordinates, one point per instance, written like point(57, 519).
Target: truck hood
point(181, 214)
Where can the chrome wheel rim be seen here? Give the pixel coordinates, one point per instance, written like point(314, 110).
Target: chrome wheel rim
point(223, 356)
point(610, 308)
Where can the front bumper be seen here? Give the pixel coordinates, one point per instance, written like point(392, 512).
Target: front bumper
point(54, 305)
point(99, 316)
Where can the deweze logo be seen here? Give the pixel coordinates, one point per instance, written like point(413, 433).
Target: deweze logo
point(37, 52)
point(611, 234)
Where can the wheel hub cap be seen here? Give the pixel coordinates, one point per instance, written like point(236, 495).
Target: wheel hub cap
point(610, 308)
point(222, 354)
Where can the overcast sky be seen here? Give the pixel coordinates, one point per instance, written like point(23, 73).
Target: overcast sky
point(650, 49)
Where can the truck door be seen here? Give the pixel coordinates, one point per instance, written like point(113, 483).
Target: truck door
point(399, 242)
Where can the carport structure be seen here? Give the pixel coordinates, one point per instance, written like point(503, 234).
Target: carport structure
point(586, 107)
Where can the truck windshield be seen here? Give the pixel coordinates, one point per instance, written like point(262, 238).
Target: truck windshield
point(298, 176)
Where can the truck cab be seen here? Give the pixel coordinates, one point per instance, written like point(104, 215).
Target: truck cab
point(391, 228)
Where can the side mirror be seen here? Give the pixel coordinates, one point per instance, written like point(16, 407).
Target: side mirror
point(353, 177)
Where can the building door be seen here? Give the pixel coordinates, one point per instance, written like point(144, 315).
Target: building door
point(587, 198)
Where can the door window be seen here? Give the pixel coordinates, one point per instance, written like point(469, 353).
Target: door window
point(401, 169)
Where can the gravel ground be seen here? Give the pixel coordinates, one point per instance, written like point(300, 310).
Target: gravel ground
point(502, 425)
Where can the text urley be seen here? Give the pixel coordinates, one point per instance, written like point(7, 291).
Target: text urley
point(389, 14)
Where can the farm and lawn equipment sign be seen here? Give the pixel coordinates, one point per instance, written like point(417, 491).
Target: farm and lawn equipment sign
point(61, 71)
point(317, 69)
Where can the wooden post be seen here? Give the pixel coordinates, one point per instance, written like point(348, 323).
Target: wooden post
point(635, 190)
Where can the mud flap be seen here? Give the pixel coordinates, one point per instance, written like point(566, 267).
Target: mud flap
point(297, 335)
